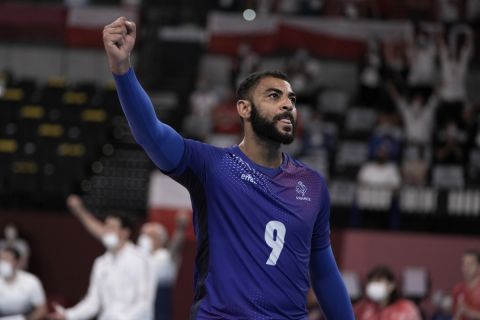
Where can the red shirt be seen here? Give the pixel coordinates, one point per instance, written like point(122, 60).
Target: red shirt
point(470, 296)
point(401, 309)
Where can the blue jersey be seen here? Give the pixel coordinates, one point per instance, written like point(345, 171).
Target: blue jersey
point(255, 228)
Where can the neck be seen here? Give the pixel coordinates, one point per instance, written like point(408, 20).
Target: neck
point(262, 152)
point(12, 277)
point(119, 248)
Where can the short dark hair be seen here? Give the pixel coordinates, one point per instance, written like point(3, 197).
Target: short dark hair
point(473, 252)
point(250, 82)
point(13, 251)
point(125, 220)
point(382, 272)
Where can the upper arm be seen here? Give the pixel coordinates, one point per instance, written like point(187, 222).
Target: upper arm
point(321, 230)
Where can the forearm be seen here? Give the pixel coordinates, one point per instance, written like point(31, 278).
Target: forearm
point(162, 143)
point(93, 225)
point(329, 287)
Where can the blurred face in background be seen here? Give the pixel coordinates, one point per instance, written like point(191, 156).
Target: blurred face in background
point(379, 290)
point(8, 264)
point(470, 267)
point(115, 233)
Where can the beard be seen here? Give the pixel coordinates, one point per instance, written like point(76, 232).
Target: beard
point(266, 129)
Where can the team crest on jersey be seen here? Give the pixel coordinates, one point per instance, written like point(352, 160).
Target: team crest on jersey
point(301, 191)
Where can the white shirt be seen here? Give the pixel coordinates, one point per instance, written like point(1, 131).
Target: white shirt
point(164, 268)
point(119, 288)
point(386, 175)
point(21, 295)
point(422, 69)
point(453, 75)
point(418, 123)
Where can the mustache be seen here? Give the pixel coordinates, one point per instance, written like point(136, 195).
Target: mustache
point(284, 115)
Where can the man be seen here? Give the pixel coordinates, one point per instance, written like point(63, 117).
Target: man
point(382, 301)
point(261, 218)
point(165, 261)
point(466, 295)
point(13, 240)
point(119, 283)
point(164, 256)
point(21, 293)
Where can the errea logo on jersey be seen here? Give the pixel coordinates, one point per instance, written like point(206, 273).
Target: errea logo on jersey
point(248, 177)
point(301, 191)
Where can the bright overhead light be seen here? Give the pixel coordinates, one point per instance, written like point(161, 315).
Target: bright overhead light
point(249, 14)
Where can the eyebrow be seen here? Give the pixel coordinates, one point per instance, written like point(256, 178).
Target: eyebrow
point(291, 94)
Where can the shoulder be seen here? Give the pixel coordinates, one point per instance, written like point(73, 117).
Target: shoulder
point(406, 305)
point(28, 278)
point(458, 288)
point(300, 167)
point(202, 146)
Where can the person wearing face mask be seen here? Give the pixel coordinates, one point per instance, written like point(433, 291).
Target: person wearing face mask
point(13, 240)
point(120, 280)
point(382, 301)
point(466, 295)
point(21, 293)
point(163, 256)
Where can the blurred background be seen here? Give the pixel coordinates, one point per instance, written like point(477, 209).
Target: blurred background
point(389, 113)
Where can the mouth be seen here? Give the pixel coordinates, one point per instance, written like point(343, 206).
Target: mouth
point(286, 118)
point(286, 121)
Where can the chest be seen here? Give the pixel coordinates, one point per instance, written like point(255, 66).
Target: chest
point(292, 192)
point(15, 297)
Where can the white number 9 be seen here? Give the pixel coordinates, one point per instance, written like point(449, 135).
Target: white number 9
point(275, 238)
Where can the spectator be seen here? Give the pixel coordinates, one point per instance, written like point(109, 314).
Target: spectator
point(380, 173)
point(198, 124)
point(120, 280)
point(12, 240)
point(443, 306)
point(164, 257)
point(21, 293)
point(417, 115)
point(382, 301)
point(370, 91)
point(421, 54)
point(415, 166)
point(164, 261)
point(387, 131)
point(466, 294)
point(453, 67)
point(304, 72)
point(450, 147)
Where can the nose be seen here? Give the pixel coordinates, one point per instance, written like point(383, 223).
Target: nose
point(287, 105)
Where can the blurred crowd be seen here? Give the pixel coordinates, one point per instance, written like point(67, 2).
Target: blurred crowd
point(424, 125)
point(129, 281)
point(135, 280)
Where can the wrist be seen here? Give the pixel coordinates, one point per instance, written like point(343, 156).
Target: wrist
point(120, 68)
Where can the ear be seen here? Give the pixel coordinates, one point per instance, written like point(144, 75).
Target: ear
point(244, 109)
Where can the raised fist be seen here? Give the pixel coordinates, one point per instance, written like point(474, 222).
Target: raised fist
point(119, 40)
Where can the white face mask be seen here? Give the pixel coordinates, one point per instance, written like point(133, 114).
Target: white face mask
point(145, 243)
point(377, 291)
point(6, 270)
point(110, 240)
